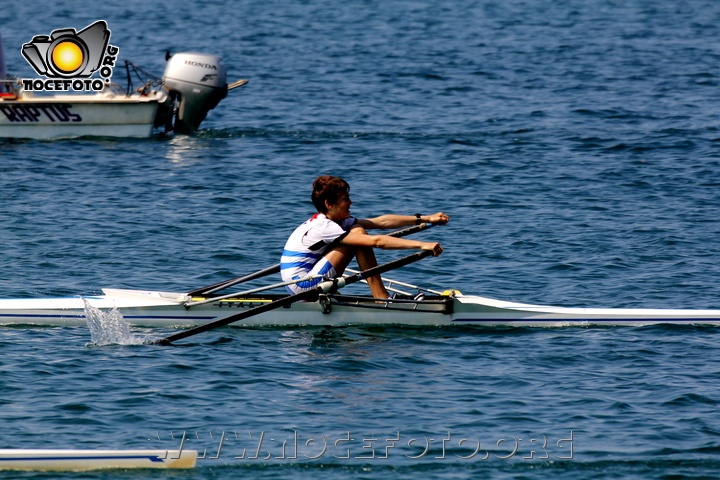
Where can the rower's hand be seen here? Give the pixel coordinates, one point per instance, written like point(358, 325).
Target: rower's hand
point(435, 248)
point(438, 219)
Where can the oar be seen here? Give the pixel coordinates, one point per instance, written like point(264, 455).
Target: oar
point(276, 268)
point(310, 295)
point(229, 283)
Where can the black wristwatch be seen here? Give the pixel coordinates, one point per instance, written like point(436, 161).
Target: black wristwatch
point(418, 220)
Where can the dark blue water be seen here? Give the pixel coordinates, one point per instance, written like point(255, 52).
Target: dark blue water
point(575, 145)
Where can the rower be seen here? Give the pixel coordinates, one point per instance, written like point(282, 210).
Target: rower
point(325, 244)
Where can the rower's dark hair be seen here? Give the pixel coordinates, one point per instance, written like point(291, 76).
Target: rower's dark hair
point(328, 188)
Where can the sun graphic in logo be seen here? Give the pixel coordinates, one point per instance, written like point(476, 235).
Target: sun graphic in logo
point(67, 56)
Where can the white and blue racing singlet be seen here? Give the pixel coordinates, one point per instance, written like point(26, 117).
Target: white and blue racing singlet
point(305, 248)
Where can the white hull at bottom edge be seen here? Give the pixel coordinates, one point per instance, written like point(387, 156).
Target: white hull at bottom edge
point(82, 460)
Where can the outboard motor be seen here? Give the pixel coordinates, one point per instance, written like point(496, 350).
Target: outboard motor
point(197, 82)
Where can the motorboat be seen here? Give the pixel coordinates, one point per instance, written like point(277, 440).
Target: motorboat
point(178, 102)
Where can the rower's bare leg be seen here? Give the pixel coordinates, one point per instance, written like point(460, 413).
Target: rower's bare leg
point(366, 259)
point(340, 257)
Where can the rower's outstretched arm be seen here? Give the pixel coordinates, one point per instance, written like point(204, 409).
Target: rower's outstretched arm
point(398, 221)
point(358, 237)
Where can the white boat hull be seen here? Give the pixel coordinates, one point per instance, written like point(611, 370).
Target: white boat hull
point(80, 460)
point(166, 309)
point(67, 116)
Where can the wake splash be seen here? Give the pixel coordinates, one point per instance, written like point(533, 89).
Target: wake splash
point(109, 328)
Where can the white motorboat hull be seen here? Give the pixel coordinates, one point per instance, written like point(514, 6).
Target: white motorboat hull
point(166, 309)
point(81, 460)
point(66, 116)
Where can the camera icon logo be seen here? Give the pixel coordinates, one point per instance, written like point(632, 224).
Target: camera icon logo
point(66, 53)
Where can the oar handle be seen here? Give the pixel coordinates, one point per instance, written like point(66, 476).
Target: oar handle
point(403, 232)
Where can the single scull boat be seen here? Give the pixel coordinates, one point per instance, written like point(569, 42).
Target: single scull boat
point(168, 309)
point(204, 306)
